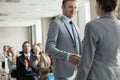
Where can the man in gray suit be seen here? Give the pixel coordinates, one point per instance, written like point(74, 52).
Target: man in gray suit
point(100, 59)
point(63, 43)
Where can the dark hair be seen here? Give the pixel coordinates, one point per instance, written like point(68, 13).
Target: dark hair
point(108, 5)
point(25, 43)
point(64, 1)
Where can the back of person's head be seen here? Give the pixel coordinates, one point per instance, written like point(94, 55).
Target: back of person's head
point(108, 5)
point(64, 1)
point(45, 64)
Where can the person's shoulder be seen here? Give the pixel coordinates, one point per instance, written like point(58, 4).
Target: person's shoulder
point(20, 56)
point(94, 22)
point(58, 20)
point(33, 56)
point(118, 21)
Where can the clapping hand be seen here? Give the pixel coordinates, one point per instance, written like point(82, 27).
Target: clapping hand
point(26, 63)
point(35, 62)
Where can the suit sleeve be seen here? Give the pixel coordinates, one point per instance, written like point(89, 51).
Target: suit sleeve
point(53, 34)
point(88, 52)
point(36, 68)
point(20, 69)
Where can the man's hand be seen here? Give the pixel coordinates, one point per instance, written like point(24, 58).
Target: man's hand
point(74, 59)
point(26, 63)
point(35, 62)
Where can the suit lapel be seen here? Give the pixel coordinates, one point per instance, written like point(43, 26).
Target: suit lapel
point(68, 29)
point(77, 31)
point(22, 59)
point(31, 59)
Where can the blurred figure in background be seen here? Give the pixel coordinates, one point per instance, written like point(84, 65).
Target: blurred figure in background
point(41, 47)
point(27, 64)
point(12, 62)
point(36, 50)
point(4, 55)
point(45, 64)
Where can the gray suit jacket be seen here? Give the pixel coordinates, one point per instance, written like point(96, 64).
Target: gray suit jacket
point(101, 50)
point(59, 44)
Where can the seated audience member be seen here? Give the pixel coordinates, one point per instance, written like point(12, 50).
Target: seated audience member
point(6, 50)
point(12, 62)
point(40, 46)
point(36, 51)
point(33, 47)
point(45, 64)
point(27, 64)
point(4, 55)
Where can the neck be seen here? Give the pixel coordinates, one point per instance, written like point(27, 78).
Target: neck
point(67, 16)
point(101, 13)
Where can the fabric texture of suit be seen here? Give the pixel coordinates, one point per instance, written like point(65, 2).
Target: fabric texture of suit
point(59, 44)
point(101, 50)
point(27, 73)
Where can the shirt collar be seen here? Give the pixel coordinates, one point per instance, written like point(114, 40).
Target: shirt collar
point(107, 15)
point(28, 54)
point(67, 19)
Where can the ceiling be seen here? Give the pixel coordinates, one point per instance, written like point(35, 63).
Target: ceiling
point(26, 12)
point(28, 9)
point(16, 10)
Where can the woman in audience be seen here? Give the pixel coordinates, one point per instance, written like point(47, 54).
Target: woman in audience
point(12, 61)
point(36, 50)
point(6, 50)
point(45, 64)
point(40, 46)
point(4, 55)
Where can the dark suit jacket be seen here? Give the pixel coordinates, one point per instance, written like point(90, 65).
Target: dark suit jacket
point(23, 71)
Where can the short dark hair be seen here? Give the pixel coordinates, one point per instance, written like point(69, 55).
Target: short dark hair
point(64, 1)
point(25, 43)
point(108, 5)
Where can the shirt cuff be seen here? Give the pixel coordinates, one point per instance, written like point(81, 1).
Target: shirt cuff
point(68, 56)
